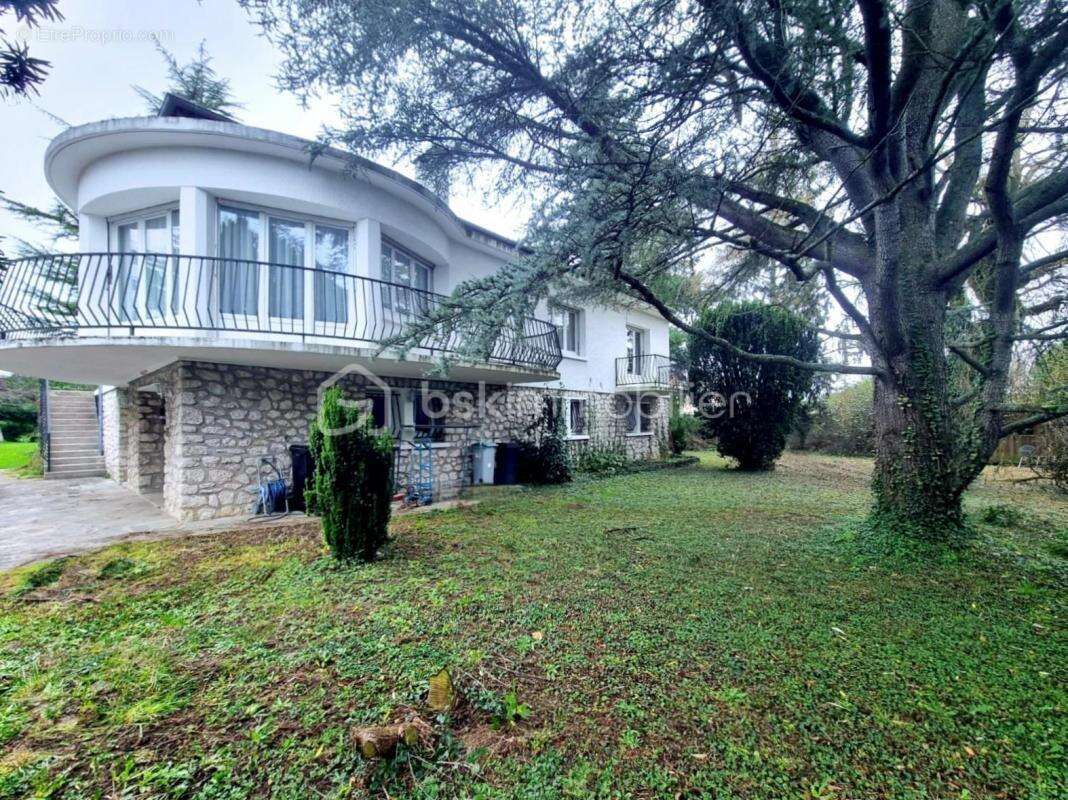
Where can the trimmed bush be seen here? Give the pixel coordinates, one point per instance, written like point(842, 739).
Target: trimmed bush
point(353, 483)
point(756, 404)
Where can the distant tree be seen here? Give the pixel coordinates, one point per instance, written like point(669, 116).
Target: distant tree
point(194, 80)
point(57, 222)
point(21, 73)
point(758, 402)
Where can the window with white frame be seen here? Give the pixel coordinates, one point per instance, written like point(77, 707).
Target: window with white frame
point(569, 328)
point(578, 417)
point(640, 414)
point(289, 267)
point(408, 280)
point(145, 279)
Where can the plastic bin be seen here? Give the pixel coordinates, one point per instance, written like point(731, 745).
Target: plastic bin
point(507, 464)
point(483, 457)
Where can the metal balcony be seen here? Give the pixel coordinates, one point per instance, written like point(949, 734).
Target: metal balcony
point(123, 294)
point(645, 373)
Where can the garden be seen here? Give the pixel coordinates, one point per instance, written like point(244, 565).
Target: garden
point(698, 631)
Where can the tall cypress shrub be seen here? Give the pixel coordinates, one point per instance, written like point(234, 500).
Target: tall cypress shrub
point(353, 484)
point(760, 401)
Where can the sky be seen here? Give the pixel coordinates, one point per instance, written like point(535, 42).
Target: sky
point(102, 48)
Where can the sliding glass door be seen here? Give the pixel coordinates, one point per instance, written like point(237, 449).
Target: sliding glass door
point(286, 246)
point(239, 277)
point(333, 286)
point(144, 276)
point(295, 279)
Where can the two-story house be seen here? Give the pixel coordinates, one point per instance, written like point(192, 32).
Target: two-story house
point(223, 277)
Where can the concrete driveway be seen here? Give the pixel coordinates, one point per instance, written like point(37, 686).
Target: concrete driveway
point(39, 518)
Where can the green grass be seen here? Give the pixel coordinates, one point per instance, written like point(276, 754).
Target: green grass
point(18, 456)
point(694, 632)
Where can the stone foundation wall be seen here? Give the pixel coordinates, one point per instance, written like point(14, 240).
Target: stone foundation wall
point(203, 428)
point(114, 433)
point(145, 426)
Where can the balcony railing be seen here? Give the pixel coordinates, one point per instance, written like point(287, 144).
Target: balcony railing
point(109, 293)
point(644, 370)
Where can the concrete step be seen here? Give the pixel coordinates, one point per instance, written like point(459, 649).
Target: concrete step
point(75, 452)
point(79, 440)
point(76, 473)
point(76, 464)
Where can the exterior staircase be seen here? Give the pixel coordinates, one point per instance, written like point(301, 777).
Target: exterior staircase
point(74, 436)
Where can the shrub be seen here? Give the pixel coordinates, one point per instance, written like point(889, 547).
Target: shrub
point(757, 403)
point(18, 420)
point(543, 457)
point(353, 483)
point(603, 460)
point(682, 428)
point(845, 426)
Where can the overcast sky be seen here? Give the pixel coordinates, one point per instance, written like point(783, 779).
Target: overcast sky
point(103, 47)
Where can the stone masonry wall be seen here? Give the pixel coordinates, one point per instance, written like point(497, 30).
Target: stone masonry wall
point(145, 423)
point(215, 422)
point(114, 433)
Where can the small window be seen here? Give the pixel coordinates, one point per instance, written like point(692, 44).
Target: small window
point(577, 418)
point(428, 416)
point(569, 328)
point(385, 416)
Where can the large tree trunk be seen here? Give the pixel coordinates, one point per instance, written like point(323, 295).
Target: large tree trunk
point(917, 483)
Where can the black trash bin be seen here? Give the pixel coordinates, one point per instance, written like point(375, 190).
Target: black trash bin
point(506, 467)
point(303, 470)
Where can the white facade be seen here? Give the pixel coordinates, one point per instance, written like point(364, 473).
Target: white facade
point(146, 183)
point(223, 277)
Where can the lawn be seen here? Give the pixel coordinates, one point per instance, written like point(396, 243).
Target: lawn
point(18, 456)
point(688, 633)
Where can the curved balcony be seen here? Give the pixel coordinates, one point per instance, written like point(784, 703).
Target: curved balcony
point(646, 373)
point(166, 298)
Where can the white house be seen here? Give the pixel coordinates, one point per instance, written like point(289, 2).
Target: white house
point(223, 276)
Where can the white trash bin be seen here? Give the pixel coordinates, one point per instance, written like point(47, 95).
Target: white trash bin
point(484, 458)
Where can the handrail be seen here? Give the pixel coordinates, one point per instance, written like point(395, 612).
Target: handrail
point(644, 370)
point(118, 293)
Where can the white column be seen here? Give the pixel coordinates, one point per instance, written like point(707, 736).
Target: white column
point(368, 299)
point(194, 207)
point(195, 277)
point(92, 270)
point(368, 248)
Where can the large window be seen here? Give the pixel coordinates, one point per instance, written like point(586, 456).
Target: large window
point(404, 272)
point(569, 328)
point(146, 284)
point(304, 267)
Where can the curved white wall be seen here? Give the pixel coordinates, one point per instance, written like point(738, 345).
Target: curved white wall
point(123, 166)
